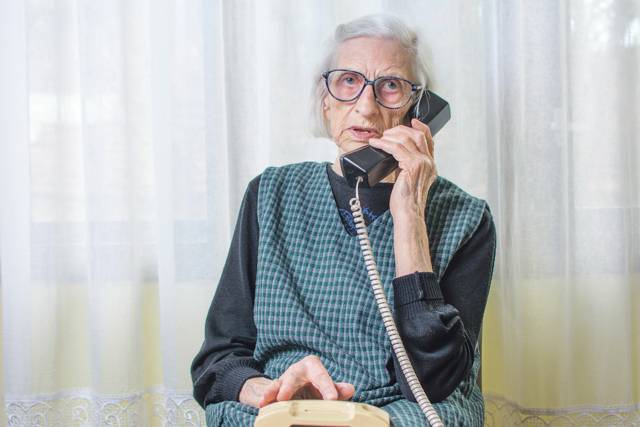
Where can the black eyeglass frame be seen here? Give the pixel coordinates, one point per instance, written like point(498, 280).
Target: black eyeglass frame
point(414, 87)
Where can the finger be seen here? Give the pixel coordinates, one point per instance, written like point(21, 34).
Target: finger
point(307, 392)
point(321, 379)
point(270, 394)
point(345, 391)
point(398, 151)
point(417, 124)
point(431, 147)
point(308, 371)
point(292, 380)
point(414, 140)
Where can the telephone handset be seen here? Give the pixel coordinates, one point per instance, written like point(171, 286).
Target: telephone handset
point(373, 164)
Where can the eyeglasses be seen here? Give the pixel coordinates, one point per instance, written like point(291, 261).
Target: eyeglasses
point(390, 92)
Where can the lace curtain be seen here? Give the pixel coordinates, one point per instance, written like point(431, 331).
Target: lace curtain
point(129, 131)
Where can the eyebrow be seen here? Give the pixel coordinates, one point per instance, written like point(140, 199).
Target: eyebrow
point(385, 73)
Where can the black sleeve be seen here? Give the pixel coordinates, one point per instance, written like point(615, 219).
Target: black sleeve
point(225, 360)
point(439, 322)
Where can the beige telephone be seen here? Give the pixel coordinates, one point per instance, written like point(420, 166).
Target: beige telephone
point(321, 413)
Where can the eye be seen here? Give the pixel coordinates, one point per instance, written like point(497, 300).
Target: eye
point(391, 85)
point(349, 79)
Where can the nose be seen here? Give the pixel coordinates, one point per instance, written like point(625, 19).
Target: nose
point(366, 104)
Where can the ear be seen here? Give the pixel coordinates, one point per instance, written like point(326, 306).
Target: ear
point(325, 109)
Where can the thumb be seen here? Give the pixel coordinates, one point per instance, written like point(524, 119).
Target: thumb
point(345, 391)
point(269, 393)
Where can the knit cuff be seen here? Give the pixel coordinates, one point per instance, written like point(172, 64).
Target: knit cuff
point(229, 385)
point(419, 286)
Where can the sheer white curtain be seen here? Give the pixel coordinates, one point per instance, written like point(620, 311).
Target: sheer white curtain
point(562, 332)
point(128, 133)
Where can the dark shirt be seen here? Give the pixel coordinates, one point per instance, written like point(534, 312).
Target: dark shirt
point(438, 320)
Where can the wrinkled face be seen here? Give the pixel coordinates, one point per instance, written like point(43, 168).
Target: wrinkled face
point(351, 124)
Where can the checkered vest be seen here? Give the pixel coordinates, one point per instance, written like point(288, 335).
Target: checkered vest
point(313, 295)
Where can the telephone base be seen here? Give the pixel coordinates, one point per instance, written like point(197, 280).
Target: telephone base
point(321, 413)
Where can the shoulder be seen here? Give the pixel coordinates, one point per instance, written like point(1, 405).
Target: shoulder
point(446, 197)
point(289, 179)
point(254, 185)
point(445, 191)
point(451, 207)
point(294, 170)
point(279, 172)
point(290, 185)
point(486, 231)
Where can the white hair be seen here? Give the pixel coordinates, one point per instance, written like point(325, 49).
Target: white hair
point(380, 26)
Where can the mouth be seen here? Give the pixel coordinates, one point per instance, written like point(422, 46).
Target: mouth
point(363, 133)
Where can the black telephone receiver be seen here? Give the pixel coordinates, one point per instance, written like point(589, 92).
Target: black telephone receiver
point(373, 164)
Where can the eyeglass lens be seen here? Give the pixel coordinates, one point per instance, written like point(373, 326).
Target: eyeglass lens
point(347, 85)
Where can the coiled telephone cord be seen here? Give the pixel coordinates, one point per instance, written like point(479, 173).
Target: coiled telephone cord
point(387, 317)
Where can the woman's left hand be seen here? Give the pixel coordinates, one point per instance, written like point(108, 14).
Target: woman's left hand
point(413, 148)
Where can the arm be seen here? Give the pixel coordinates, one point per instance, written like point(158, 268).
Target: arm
point(225, 360)
point(440, 322)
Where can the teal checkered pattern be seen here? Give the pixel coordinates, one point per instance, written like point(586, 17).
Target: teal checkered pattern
point(313, 295)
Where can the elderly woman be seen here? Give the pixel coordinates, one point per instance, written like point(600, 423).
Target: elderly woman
point(294, 317)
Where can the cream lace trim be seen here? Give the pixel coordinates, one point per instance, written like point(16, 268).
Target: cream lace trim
point(81, 408)
point(502, 412)
point(165, 408)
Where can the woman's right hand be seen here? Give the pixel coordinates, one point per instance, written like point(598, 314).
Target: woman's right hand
point(305, 379)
